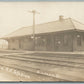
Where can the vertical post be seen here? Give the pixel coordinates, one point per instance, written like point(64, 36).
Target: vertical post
point(33, 12)
point(33, 30)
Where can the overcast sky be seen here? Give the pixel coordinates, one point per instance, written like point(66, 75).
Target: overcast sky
point(15, 15)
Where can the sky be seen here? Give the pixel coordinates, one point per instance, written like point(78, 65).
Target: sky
point(15, 15)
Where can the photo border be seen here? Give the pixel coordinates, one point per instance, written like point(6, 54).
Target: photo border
point(41, 82)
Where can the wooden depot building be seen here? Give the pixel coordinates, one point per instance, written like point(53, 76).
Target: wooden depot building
point(61, 35)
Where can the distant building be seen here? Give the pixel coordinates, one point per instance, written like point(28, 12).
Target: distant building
point(61, 35)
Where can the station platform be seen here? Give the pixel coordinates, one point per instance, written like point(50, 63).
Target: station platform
point(50, 52)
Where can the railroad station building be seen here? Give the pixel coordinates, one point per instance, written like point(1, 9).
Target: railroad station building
point(61, 35)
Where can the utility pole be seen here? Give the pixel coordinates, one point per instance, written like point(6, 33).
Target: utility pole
point(34, 12)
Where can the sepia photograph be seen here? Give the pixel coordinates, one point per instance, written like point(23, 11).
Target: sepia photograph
point(42, 41)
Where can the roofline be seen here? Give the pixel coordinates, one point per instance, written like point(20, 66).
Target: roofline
point(46, 32)
point(36, 25)
point(6, 38)
point(38, 34)
point(72, 23)
point(77, 21)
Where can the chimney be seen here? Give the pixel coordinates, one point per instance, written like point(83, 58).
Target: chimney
point(61, 17)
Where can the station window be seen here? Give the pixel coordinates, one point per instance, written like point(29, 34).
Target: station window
point(78, 40)
point(65, 40)
point(83, 37)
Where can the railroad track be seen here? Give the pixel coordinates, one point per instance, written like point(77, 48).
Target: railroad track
point(30, 73)
point(42, 62)
point(47, 59)
point(46, 62)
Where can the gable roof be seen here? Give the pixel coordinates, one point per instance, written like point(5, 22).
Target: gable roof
point(55, 26)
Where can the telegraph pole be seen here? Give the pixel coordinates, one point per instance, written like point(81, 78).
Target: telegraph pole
point(34, 13)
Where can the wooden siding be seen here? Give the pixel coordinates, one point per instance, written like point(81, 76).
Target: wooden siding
point(49, 42)
point(77, 47)
point(65, 41)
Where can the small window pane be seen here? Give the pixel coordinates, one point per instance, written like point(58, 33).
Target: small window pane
point(78, 40)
